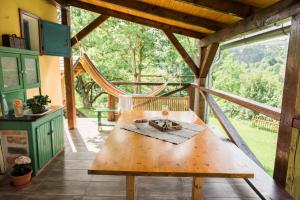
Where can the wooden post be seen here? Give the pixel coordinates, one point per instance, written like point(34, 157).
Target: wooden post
point(111, 105)
point(197, 188)
point(130, 188)
point(69, 78)
point(192, 97)
point(287, 166)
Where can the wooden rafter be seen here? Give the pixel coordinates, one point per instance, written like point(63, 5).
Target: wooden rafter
point(289, 99)
point(135, 19)
point(263, 17)
point(175, 91)
point(227, 7)
point(89, 28)
point(264, 109)
point(189, 61)
point(165, 13)
point(230, 130)
point(208, 58)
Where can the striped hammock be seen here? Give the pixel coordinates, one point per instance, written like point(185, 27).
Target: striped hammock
point(84, 64)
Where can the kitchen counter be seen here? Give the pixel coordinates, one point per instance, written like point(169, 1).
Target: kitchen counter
point(30, 118)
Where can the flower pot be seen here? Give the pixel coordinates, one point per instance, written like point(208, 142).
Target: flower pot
point(21, 180)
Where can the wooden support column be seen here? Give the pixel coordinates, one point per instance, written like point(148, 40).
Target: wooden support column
point(206, 59)
point(111, 105)
point(192, 97)
point(288, 150)
point(69, 77)
point(130, 188)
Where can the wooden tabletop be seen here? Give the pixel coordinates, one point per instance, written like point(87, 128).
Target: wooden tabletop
point(205, 155)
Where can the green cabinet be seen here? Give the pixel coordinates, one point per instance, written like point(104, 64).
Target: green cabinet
point(45, 135)
point(44, 149)
point(10, 71)
point(19, 69)
point(57, 137)
point(30, 71)
point(50, 140)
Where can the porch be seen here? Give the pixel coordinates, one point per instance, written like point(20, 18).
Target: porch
point(66, 177)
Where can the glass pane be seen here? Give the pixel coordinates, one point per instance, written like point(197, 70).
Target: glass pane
point(10, 71)
point(31, 74)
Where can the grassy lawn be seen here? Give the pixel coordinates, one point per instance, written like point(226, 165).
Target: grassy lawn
point(261, 142)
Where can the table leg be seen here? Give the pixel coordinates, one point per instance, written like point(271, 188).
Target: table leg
point(130, 188)
point(197, 188)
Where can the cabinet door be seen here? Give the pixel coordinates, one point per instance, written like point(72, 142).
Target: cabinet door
point(44, 145)
point(10, 72)
point(57, 129)
point(30, 69)
point(55, 39)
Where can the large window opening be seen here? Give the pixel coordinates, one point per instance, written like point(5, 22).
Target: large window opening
point(254, 71)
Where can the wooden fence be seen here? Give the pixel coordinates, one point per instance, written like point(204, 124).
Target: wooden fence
point(265, 123)
point(155, 103)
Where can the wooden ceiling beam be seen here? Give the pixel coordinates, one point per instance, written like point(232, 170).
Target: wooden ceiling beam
point(264, 17)
point(189, 61)
point(89, 28)
point(166, 13)
point(226, 7)
point(135, 19)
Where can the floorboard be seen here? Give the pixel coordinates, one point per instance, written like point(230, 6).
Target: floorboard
point(66, 178)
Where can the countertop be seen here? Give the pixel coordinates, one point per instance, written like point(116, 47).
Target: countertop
point(30, 118)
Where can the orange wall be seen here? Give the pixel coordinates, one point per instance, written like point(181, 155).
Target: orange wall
point(49, 65)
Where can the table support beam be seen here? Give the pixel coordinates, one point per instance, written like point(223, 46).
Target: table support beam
point(197, 188)
point(130, 187)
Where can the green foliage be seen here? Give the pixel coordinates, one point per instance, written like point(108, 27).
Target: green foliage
point(121, 50)
point(253, 71)
point(37, 103)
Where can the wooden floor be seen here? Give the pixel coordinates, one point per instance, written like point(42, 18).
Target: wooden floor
point(66, 177)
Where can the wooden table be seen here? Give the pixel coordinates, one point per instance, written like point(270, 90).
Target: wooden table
point(205, 155)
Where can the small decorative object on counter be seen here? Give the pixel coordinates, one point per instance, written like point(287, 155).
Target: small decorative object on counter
point(22, 171)
point(5, 109)
point(18, 108)
point(38, 104)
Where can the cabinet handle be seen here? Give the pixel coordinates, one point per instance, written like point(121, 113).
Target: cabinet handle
point(51, 132)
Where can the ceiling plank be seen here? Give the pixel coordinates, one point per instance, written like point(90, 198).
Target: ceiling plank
point(165, 13)
point(266, 16)
point(89, 28)
point(135, 19)
point(226, 7)
point(183, 53)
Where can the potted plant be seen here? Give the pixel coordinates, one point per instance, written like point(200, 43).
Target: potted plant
point(37, 104)
point(22, 171)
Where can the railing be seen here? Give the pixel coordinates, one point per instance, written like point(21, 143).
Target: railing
point(156, 103)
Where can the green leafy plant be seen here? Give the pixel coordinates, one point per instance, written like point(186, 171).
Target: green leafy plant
point(37, 104)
